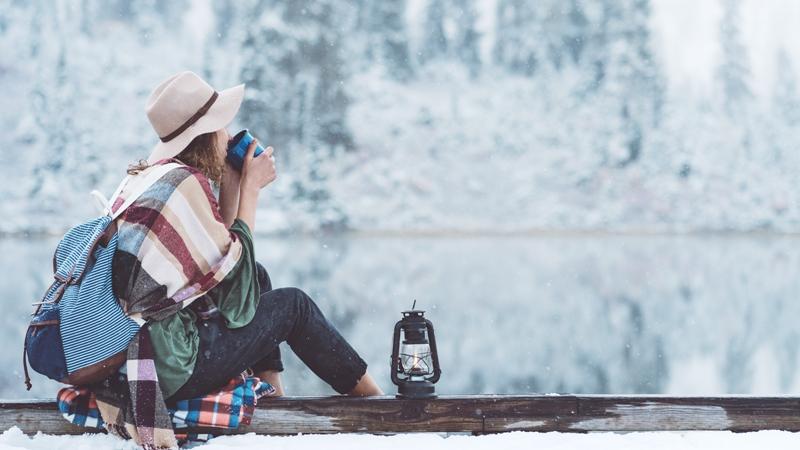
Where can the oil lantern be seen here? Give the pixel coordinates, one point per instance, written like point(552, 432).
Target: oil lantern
point(415, 361)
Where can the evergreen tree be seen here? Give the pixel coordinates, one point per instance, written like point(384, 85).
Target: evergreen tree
point(434, 43)
point(553, 18)
point(785, 98)
point(295, 77)
point(633, 85)
point(225, 45)
point(467, 38)
point(383, 25)
point(296, 96)
point(148, 17)
point(50, 100)
point(783, 130)
point(733, 74)
point(575, 32)
point(535, 37)
point(588, 44)
point(514, 49)
point(231, 17)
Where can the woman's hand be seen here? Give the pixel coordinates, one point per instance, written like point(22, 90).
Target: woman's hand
point(258, 171)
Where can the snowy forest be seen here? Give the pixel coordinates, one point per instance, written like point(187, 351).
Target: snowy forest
point(501, 115)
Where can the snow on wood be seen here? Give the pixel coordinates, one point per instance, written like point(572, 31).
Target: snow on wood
point(480, 414)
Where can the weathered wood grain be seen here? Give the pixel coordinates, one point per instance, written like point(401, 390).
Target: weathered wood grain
point(35, 415)
point(477, 414)
point(391, 415)
point(646, 413)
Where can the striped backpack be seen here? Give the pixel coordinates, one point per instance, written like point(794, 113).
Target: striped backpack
point(79, 334)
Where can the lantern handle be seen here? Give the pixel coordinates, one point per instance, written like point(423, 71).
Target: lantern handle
point(395, 355)
point(437, 371)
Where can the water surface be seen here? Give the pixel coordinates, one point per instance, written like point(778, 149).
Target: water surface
point(582, 314)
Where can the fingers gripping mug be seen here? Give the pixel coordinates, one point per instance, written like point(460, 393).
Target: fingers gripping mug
point(237, 148)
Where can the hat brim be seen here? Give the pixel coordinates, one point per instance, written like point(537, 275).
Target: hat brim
point(218, 116)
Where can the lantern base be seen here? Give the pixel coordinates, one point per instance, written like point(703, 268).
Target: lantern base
point(416, 389)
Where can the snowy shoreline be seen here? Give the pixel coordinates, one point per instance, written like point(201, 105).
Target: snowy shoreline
point(534, 233)
point(689, 440)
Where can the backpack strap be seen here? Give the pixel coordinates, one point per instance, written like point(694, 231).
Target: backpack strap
point(152, 175)
point(28, 384)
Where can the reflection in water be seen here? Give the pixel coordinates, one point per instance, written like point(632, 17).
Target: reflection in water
point(582, 314)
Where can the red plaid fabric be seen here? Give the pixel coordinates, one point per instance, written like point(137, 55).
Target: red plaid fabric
point(231, 406)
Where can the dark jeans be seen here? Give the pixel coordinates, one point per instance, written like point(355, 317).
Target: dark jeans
point(283, 315)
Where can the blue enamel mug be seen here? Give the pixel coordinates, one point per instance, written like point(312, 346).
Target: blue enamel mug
point(237, 148)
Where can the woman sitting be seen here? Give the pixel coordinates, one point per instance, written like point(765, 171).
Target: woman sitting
point(189, 256)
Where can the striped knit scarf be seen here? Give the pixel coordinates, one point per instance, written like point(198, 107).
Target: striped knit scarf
point(137, 411)
point(172, 248)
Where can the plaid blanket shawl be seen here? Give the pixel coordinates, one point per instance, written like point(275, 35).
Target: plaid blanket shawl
point(172, 248)
point(172, 244)
point(231, 406)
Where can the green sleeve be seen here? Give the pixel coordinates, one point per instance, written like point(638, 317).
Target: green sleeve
point(175, 339)
point(236, 296)
point(175, 343)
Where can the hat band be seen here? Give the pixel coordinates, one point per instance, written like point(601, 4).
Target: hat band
point(200, 112)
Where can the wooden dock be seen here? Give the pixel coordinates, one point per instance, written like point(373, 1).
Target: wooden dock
point(476, 414)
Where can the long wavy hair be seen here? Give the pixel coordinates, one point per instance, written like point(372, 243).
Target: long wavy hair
point(201, 154)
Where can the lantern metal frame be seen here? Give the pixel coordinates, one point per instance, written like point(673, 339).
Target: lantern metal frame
point(414, 325)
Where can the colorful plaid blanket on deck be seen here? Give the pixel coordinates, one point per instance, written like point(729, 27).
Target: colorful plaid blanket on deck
point(231, 406)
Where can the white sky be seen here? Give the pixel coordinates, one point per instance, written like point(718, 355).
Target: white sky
point(686, 35)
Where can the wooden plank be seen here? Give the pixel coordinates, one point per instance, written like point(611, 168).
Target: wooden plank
point(476, 414)
point(653, 413)
point(35, 415)
point(391, 415)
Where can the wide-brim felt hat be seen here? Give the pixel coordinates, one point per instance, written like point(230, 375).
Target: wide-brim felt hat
point(183, 107)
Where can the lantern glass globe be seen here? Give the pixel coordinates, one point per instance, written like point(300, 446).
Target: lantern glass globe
point(416, 360)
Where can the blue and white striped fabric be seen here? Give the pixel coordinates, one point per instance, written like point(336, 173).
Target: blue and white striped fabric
point(93, 326)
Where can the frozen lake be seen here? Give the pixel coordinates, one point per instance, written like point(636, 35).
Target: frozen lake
point(714, 314)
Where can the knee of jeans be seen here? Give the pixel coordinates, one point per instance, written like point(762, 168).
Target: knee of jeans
point(301, 299)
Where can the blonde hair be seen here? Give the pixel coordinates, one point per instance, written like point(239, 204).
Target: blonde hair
point(201, 154)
